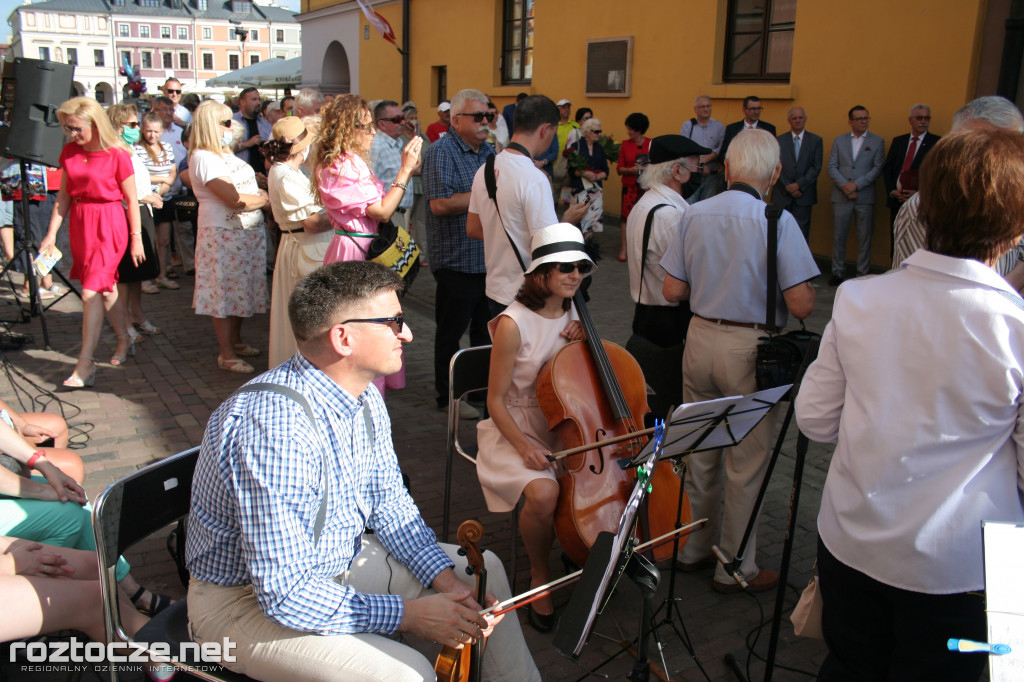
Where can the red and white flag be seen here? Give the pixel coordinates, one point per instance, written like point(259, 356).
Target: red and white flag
point(379, 23)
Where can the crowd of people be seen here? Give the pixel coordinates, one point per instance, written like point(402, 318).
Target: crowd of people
point(506, 206)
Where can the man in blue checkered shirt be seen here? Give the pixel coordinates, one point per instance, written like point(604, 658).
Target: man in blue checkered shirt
point(456, 261)
point(304, 594)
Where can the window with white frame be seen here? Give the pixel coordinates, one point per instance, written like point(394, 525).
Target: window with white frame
point(280, 35)
point(208, 61)
point(143, 31)
point(254, 59)
point(124, 31)
point(168, 60)
point(182, 33)
point(233, 62)
point(98, 58)
point(183, 60)
point(126, 57)
point(147, 59)
point(165, 32)
point(207, 33)
point(44, 54)
point(254, 35)
point(73, 56)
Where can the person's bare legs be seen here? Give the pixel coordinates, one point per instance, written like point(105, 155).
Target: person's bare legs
point(225, 328)
point(163, 248)
point(537, 528)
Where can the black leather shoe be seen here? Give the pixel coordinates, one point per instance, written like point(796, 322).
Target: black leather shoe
point(835, 281)
point(539, 622)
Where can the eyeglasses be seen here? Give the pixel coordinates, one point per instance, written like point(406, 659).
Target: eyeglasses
point(755, 108)
point(173, 92)
point(861, 118)
point(132, 124)
point(583, 266)
point(699, 168)
point(396, 323)
point(479, 116)
point(922, 118)
point(596, 132)
point(226, 123)
point(74, 131)
point(393, 119)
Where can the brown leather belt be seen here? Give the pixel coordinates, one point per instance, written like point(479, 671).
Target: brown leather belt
point(745, 325)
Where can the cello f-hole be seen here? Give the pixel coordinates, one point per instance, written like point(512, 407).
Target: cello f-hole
point(599, 436)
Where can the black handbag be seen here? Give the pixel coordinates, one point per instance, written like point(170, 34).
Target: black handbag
point(781, 358)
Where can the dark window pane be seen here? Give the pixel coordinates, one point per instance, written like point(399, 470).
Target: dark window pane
point(780, 52)
point(746, 55)
point(751, 26)
point(783, 11)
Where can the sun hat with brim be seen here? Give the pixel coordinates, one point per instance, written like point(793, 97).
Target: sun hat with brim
point(560, 243)
point(291, 130)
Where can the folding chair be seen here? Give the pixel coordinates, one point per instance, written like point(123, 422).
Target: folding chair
point(467, 373)
point(128, 511)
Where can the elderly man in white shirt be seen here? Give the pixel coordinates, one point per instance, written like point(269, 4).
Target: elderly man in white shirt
point(926, 405)
point(650, 229)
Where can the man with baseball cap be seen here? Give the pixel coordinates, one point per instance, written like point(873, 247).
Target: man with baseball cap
point(444, 119)
point(650, 229)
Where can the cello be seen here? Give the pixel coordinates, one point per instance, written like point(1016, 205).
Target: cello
point(593, 488)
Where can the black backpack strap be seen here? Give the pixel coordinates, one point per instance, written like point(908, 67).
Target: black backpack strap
point(647, 241)
point(772, 213)
point(491, 182)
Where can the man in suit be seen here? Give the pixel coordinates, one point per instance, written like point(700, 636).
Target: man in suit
point(854, 164)
point(797, 188)
point(751, 119)
point(906, 154)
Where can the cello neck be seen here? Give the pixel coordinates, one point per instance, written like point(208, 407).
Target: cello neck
point(610, 384)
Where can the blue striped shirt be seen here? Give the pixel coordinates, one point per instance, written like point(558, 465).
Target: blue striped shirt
point(448, 169)
point(257, 489)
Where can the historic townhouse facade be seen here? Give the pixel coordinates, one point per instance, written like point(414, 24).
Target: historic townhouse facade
point(192, 40)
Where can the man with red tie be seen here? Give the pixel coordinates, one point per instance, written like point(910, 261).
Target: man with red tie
point(905, 156)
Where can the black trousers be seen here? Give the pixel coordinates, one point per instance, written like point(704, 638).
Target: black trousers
point(460, 301)
point(878, 632)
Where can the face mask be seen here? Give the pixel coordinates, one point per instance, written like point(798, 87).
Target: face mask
point(130, 135)
point(226, 138)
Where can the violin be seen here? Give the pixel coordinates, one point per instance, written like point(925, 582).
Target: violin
point(589, 392)
point(463, 664)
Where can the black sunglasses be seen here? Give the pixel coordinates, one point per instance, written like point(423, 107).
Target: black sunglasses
point(583, 266)
point(396, 323)
point(393, 119)
point(174, 92)
point(480, 116)
point(226, 123)
point(132, 124)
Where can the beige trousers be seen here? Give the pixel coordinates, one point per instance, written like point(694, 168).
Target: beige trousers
point(267, 651)
point(719, 361)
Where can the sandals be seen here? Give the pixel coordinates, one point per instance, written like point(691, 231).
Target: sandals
point(238, 366)
point(119, 359)
point(157, 602)
point(165, 283)
point(75, 382)
point(147, 327)
point(149, 288)
point(244, 350)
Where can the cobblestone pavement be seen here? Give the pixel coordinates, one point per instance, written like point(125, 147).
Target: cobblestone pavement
point(158, 404)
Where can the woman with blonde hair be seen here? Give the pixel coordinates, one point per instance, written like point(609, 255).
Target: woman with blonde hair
point(231, 282)
point(356, 201)
point(98, 175)
point(125, 119)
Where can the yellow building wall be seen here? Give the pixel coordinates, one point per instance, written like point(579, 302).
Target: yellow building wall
point(881, 54)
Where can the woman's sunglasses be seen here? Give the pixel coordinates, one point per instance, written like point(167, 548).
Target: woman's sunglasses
point(583, 266)
point(132, 124)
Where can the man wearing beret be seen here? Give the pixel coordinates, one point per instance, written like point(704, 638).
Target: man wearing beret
point(653, 223)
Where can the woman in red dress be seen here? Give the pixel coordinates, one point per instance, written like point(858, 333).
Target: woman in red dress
point(98, 176)
point(632, 159)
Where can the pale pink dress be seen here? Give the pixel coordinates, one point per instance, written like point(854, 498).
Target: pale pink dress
point(501, 470)
point(347, 188)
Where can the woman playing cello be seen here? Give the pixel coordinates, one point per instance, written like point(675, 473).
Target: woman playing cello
point(515, 441)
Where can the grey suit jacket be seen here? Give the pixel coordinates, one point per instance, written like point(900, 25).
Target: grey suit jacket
point(842, 167)
point(804, 170)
